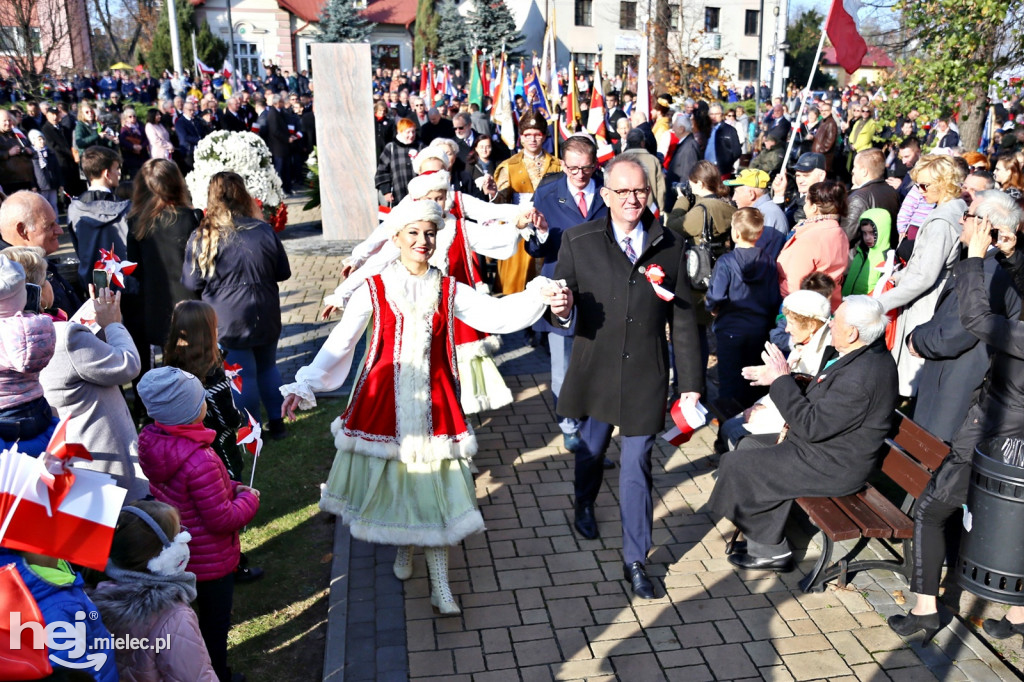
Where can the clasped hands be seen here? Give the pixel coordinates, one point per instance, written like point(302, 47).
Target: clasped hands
point(775, 366)
point(558, 297)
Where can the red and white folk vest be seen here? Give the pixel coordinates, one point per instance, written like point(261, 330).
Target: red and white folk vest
point(406, 401)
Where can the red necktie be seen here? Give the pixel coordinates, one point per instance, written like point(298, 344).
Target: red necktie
point(582, 203)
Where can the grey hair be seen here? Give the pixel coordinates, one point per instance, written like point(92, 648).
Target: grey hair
point(1002, 211)
point(683, 121)
point(715, 106)
point(464, 117)
point(629, 160)
point(451, 145)
point(275, 99)
point(867, 316)
point(433, 110)
point(689, 103)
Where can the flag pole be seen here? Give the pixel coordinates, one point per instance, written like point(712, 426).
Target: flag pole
point(803, 96)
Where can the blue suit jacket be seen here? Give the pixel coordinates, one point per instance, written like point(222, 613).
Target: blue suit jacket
point(559, 207)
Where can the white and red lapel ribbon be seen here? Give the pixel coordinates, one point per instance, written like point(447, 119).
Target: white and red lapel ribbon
point(655, 274)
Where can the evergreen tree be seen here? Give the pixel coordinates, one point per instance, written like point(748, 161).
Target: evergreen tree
point(425, 39)
point(452, 42)
point(493, 26)
point(341, 22)
point(212, 50)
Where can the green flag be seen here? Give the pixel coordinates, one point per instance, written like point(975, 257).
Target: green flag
point(476, 90)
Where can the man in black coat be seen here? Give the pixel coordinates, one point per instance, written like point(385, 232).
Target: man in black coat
point(436, 126)
point(232, 119)
point(618, 372)
point(869, 191)
point(723, 144)
point(684, 157)
point(837, 429)
point(955, 361)
point(278, 139)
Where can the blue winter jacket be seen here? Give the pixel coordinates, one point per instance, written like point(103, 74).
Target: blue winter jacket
point(744, 292)
point(61, 603)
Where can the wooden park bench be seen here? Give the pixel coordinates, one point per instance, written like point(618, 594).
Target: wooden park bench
point(913, 455)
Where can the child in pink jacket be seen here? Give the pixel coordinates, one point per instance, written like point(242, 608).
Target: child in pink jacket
point(185, 472)
point(147, 598)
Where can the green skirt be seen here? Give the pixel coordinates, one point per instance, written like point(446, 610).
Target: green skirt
point(386, 501)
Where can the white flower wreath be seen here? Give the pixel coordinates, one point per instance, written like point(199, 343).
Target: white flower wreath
point(244, 153)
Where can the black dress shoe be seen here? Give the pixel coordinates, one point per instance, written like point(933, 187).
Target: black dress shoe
point(608, 464)
point(753, 563)
point(586, 524)
point(1001, 629)
point(247, 574)
point(636, 576)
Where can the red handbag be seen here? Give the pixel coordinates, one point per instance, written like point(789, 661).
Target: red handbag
point(25, 662)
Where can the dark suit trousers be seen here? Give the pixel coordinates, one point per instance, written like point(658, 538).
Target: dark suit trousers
point(635, 505)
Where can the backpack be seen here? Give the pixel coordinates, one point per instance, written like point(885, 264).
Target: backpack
point(700, 258)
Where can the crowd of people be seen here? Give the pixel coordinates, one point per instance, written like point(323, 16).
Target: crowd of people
point(877, 268)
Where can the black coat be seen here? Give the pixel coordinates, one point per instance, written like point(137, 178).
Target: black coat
point(233, 122)
point(837, 429)
point(955, 360)
point(243, 287)
point(727, 148)
point(619, 367)
point(161, 256)
point(872, 194)
point(431, 131)
point(276, 132)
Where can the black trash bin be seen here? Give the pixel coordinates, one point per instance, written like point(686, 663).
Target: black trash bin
point(991, 562)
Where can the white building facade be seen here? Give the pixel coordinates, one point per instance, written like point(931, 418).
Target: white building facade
point(726, 34)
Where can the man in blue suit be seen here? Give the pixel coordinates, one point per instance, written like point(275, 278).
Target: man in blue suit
point(565, 201)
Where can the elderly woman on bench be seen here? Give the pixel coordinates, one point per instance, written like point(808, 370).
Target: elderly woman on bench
point(836, 430)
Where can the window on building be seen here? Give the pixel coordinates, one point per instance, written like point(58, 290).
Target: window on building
point(584, 12)
point(247, 56)
point(624, 63)
point(12, 40)
point(709, 65)
point(585, 62)
point(627, 16)
point(711, 19)
point(673, 17)
point(752, 24)
point(748, 70)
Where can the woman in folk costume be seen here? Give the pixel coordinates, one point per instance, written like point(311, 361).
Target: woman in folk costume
point(483, 387)
point(401, 474)
point(517, 179)
point(431, 160)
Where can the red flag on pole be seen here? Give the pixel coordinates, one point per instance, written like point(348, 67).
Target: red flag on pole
point(842, 30)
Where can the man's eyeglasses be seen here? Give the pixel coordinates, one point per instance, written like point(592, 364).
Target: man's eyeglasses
point(573, 170)
point(461, 127)
point(622, 194)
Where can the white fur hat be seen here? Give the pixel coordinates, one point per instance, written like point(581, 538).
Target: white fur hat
point(429, 153)
point(809, 304)
point(431, 182)
point(411, 210)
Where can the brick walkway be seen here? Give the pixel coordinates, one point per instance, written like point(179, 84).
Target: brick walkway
point(540, 603)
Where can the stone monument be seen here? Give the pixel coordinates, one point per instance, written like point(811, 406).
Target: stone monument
point(346, 148)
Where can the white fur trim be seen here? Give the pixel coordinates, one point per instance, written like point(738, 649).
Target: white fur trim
point(409, 448)
point(444, 244)
point(485, 347)
point(490, 393)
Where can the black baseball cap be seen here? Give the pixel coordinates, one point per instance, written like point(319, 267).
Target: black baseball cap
point(810, 161)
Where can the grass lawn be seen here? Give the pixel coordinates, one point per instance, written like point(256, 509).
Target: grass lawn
point(280, 621)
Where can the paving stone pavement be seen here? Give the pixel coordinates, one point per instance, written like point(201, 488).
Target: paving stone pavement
point(540, 603)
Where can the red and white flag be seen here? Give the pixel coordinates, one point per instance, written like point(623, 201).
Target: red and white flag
point(845, 35)
point(687, 420)
point(595, 115)
point(250, 437)
point(51, 508)
point(114, 266)
point(227, 69)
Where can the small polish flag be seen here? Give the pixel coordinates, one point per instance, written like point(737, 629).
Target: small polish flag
point(51, 508)
point(251, 438)
point(687, 420)
point(605, 153)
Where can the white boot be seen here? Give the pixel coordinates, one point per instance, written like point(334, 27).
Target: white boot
point(403, 562)
point(440, 593)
